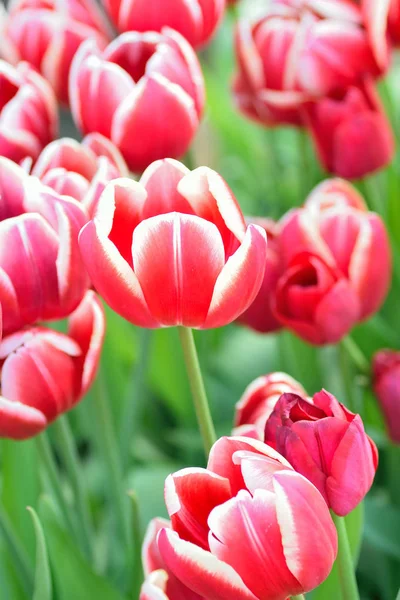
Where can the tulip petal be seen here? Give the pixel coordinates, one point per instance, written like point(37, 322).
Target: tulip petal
point(258, 471)
point(18, 421)
point(161, 181)
point(245, 534)
point(182, 255)
point(112, 276)
point(240, 280)
point(151, 558)
point(102, 146)
point(189, 516)
point(200, 571)
point(12, 189)
point(308, 534)
point(144, 111)
point(68, 154)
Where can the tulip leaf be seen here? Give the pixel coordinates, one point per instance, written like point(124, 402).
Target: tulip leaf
point(73, 575)
point(330, 588)
point(43, 585)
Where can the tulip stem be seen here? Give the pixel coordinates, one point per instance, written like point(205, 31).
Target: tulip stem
point(299, 597)
point(47, 459)
point(348, 582)
point(198, 390)
point(71, 460)
point(356, 355)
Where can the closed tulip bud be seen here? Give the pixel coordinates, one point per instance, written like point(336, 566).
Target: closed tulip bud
point(28, 112)
point(386, 381)
point(196, 20)
point(337, 264)
point(80, 170)
point(298, 52)
point(351, 132)
point(179, 231)
point(219, 545)
point(259, 316)
point(125, 92)
point(41, 271)
point(48, 33)
point(59, 368)
point(326, 443)
point(260, 397)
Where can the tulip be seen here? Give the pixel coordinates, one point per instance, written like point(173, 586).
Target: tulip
point(28, 112)
point(326, 443)
point(382, 21)
point(299, 52)
point(386, 381)
point(352, 135)
point(259, 316)
point(80, 170)
point(196, 20)
point(180, 232)
point(247, 527)
point(59, 368)
point(125, 93)
point(260, 397)
point(337, 264)
point(41, 271)
point(48, 34)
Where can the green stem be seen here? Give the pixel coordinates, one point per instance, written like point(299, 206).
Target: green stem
point(52, 473)
point(299, 597)
point(348, 582)
point(71, 460)
point(304, 165)
point(136, 394)
point(356, 355)
point(197, 386)
point(21, 561)
point(137, 570)
point(109, 447)
point(393, 461)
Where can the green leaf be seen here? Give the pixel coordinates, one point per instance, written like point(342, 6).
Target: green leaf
point(43, 586)
point(74, 576)
point(382, 527)
point(331, 586)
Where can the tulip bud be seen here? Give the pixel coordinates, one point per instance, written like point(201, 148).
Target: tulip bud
point(351, 132)
point(219, 546)
point(259, 316)
point(196, 20)
point(260, 397)
point(125, 92)
point(299, 52)
point(59, 368)
point(386, 374)
point(47, 35)
point(336, 264)
point(326, 443)
point(179, 231)
point(80, 170)
point(28, 112)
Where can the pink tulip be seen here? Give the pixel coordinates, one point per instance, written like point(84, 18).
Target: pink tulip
point(173, 249)
point(41, 270)
point(125, 93)
point(28, 112)
point(260, 397)
point(337, 264)
point(196, 20)
point(259, 316)
point(352, 134)
point(298, 52)
point(386, 381)
point(326, 443)
point(247, 527)
point(80, 170)
point(59, 368)
point(47, 34)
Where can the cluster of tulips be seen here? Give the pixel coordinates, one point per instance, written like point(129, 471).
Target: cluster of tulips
point(171, 247)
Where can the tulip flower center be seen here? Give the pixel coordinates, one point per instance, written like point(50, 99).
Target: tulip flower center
point(133, 57)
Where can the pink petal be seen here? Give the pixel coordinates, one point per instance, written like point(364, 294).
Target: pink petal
point(246, 535)
point(68, 154)
point(151, 558)
point(161, 181)
point(190, 496)
point(155, 586)
point(12, 189)
point(18, 421)
point(101, 146)
point(200, 571)
point(308, 534)
point(182, 255)
point(257, 470)
point(66, 183)
point(240, 280)
point(142, 118)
